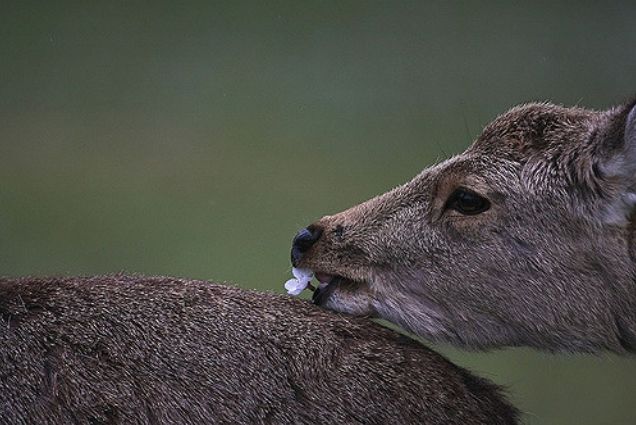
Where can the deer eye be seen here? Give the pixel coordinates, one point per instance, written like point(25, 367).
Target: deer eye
point(467, 202)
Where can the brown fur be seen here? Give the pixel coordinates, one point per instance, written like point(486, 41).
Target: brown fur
point(549, 265)
point(157, 350)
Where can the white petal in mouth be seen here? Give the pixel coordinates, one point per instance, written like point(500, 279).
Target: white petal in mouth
point(301, 280)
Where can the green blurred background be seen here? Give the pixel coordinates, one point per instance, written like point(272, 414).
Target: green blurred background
point(195, 138)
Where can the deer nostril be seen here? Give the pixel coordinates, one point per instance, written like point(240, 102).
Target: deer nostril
point(304, 240)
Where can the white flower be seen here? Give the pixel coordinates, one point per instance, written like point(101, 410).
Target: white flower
point(294, 287)
point(301, 280)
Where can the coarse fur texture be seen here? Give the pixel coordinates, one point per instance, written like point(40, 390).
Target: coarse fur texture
point(156, 350)
point(550, 264)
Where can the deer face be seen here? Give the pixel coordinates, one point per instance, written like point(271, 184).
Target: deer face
point(523, 239)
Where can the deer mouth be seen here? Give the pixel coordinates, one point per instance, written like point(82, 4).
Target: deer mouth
point(348, 293)
point(326, 285)
point(330, 283)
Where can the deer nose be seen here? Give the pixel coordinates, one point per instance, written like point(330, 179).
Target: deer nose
point(304, 239)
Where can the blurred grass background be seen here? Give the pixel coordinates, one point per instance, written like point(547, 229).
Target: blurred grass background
point(195, 138)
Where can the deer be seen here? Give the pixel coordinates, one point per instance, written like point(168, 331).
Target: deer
point(527, 238)
point(131, 349)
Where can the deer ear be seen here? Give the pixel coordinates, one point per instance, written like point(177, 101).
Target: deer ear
point(630, 127)
point(618, 163)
